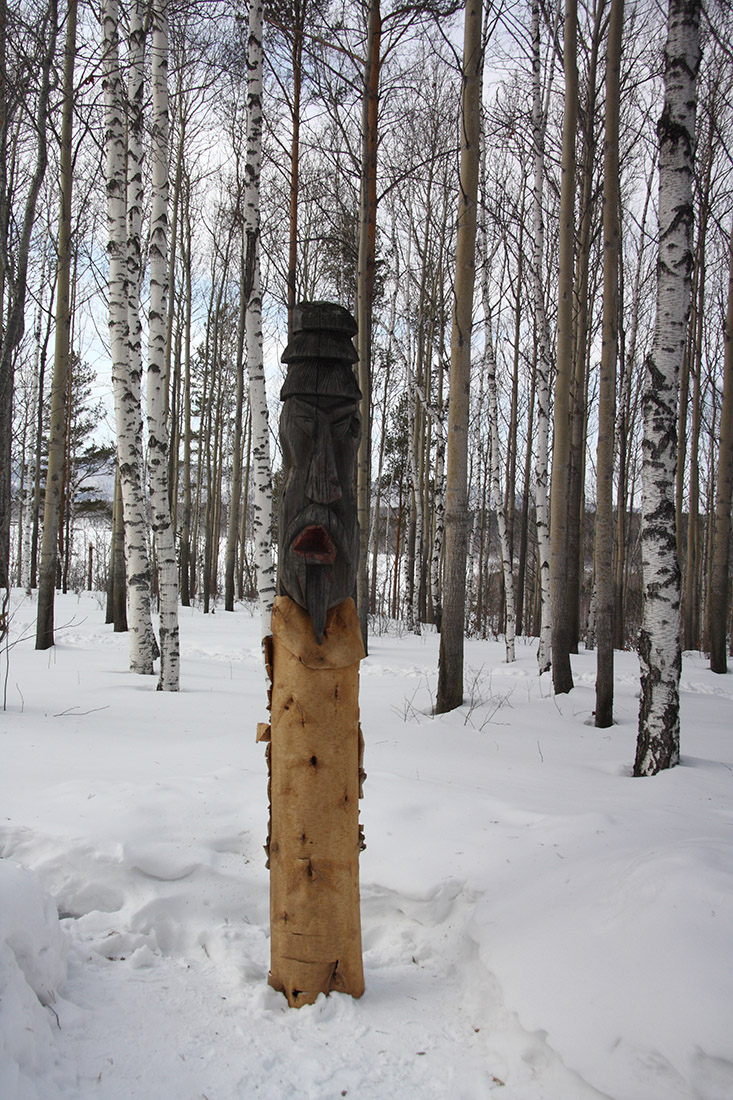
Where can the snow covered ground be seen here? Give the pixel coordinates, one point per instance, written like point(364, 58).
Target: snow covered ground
point(538, 925)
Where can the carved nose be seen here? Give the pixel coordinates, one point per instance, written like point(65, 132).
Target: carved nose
point(323, 485)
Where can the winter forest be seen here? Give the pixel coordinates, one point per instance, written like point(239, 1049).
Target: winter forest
point(491, 206)
point(527, 207)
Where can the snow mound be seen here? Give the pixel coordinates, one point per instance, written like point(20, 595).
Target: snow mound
point(33, 952)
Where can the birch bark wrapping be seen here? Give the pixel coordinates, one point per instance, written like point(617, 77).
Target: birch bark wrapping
point(315, 777)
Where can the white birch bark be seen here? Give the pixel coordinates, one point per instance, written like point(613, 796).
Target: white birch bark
point(477, 479)
point(495, 460)
point(494, 446)
point(438, 518)
point(658, 744)
point(125, 381)
point(157, 381)
point(252, 302)
point(542, 336)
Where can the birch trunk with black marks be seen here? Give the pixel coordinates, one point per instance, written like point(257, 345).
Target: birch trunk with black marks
point(252, 303)
point(658, 743)
point(494, 451)
point(125, 371)
point(157, 381)
point(542, 336)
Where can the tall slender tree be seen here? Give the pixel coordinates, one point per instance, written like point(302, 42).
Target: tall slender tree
point(252, 303)
point(607, 394)
point(365, 294)
point(718, 599)
point(562, 676)
point(125, 374)
point(450, 668)
point(60, 384)
point(16, 227)
point(542, 336)
point(658, 742)
point(157, 388)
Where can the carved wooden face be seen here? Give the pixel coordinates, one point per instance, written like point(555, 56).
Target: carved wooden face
point(319, 533)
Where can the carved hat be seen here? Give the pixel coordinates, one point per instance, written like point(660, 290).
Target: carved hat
point(320, 353)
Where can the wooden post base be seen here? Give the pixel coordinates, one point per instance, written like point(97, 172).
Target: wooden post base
point(314, 845)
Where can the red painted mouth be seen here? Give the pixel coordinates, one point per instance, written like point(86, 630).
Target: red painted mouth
point(314, 545)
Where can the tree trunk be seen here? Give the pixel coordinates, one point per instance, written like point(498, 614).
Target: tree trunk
point(185, 538)
point(59, 387)
point(624, 429)
point(365, 295)
point(158, 442)
point(539, 117)
point(494, 456)
point(450, 668)
point(562, 676)
point(252, 302)
point(583, 312)
point(125, 375)
point(15, 278)
point(298, 10)
point(691, 590)
point(604, 586)
point(719, 580)
point(230, 563)
point(658, 743)
point(117, 606)
point(524, 522)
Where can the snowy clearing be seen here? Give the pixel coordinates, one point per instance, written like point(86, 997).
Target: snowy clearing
point(537, 924)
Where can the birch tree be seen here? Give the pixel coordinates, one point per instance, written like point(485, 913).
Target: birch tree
point(126, 379)
point(658, 743)
point(542, 337)
point(252, 303)
point(157, 380)
point(489, 365)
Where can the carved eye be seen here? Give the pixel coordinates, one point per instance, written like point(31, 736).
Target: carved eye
point(351, 424)
point(340, 427)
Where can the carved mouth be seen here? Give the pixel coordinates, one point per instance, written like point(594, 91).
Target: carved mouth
point(313, 544)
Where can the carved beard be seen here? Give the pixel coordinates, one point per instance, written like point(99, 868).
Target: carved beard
point(318, 559)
